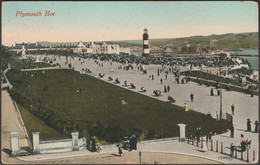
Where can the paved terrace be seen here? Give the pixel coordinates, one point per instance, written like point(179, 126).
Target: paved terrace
point(245, 106)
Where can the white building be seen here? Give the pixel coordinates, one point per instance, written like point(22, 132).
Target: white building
point(96, 48)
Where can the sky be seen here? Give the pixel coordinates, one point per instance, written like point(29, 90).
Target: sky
point(106, 21)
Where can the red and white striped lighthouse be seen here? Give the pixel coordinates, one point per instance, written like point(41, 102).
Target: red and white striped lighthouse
point(146, 50)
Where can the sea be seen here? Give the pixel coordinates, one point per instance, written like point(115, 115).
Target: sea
point(253, 60)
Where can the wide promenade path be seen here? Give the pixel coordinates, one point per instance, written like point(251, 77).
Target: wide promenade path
point(10, 123)
point(173, 152)
point(245, 106)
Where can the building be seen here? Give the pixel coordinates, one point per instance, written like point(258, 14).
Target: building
point(96, 48)
point(79, 48)
point(167, 52)
point(146, 50)
point(41, 46)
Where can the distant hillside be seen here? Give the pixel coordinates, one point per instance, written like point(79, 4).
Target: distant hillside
point(230, 41)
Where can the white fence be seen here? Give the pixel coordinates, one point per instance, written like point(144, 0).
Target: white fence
point(55, 146)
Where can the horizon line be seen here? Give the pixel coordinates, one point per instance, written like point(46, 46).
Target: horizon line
point(137, 39)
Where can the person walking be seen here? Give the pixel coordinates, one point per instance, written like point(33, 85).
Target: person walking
point(207, 137)
point(120, 149)
point(210, 136)
point(133, 143)
point(191, 97)
point(243, 143)
point(165, 89)
point(256, 126)
point(232, 109)
point(218, 92)
point(197, 135)
point(211, 92)
point(186, 108)
point(168, 88)
point(252, 93)
point(166, 77)
point(248, 125)
point(98, 147)
point(161, 80)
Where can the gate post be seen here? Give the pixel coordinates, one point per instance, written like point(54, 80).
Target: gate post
point(14, 144)
point(75, 138)
point(182, 136)
point(204, 146)
point(36, 142)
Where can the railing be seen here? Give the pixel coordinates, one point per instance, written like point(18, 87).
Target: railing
point(233, 153)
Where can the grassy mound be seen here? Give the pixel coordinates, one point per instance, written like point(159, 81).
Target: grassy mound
point(99, 106)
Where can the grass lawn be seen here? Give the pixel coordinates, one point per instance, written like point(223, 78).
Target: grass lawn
point(32, 122)
point(100, 102)
point(27, 64)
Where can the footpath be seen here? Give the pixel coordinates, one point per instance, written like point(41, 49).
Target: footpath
point(170, 147)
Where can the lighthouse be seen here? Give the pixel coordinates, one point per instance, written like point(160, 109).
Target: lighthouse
point(146, 50)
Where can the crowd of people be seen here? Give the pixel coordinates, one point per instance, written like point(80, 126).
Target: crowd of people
point(167, 65)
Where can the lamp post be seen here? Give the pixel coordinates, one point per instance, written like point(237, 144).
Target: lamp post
point(220, 73)
point(200, 76)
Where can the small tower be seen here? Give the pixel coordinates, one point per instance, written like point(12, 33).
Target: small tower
point(146, 50)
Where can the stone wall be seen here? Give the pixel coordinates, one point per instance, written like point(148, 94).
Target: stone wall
point(55, 146)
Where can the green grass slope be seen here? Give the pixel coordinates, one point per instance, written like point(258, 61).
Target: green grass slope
point(100, 103)
point(32, 122)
